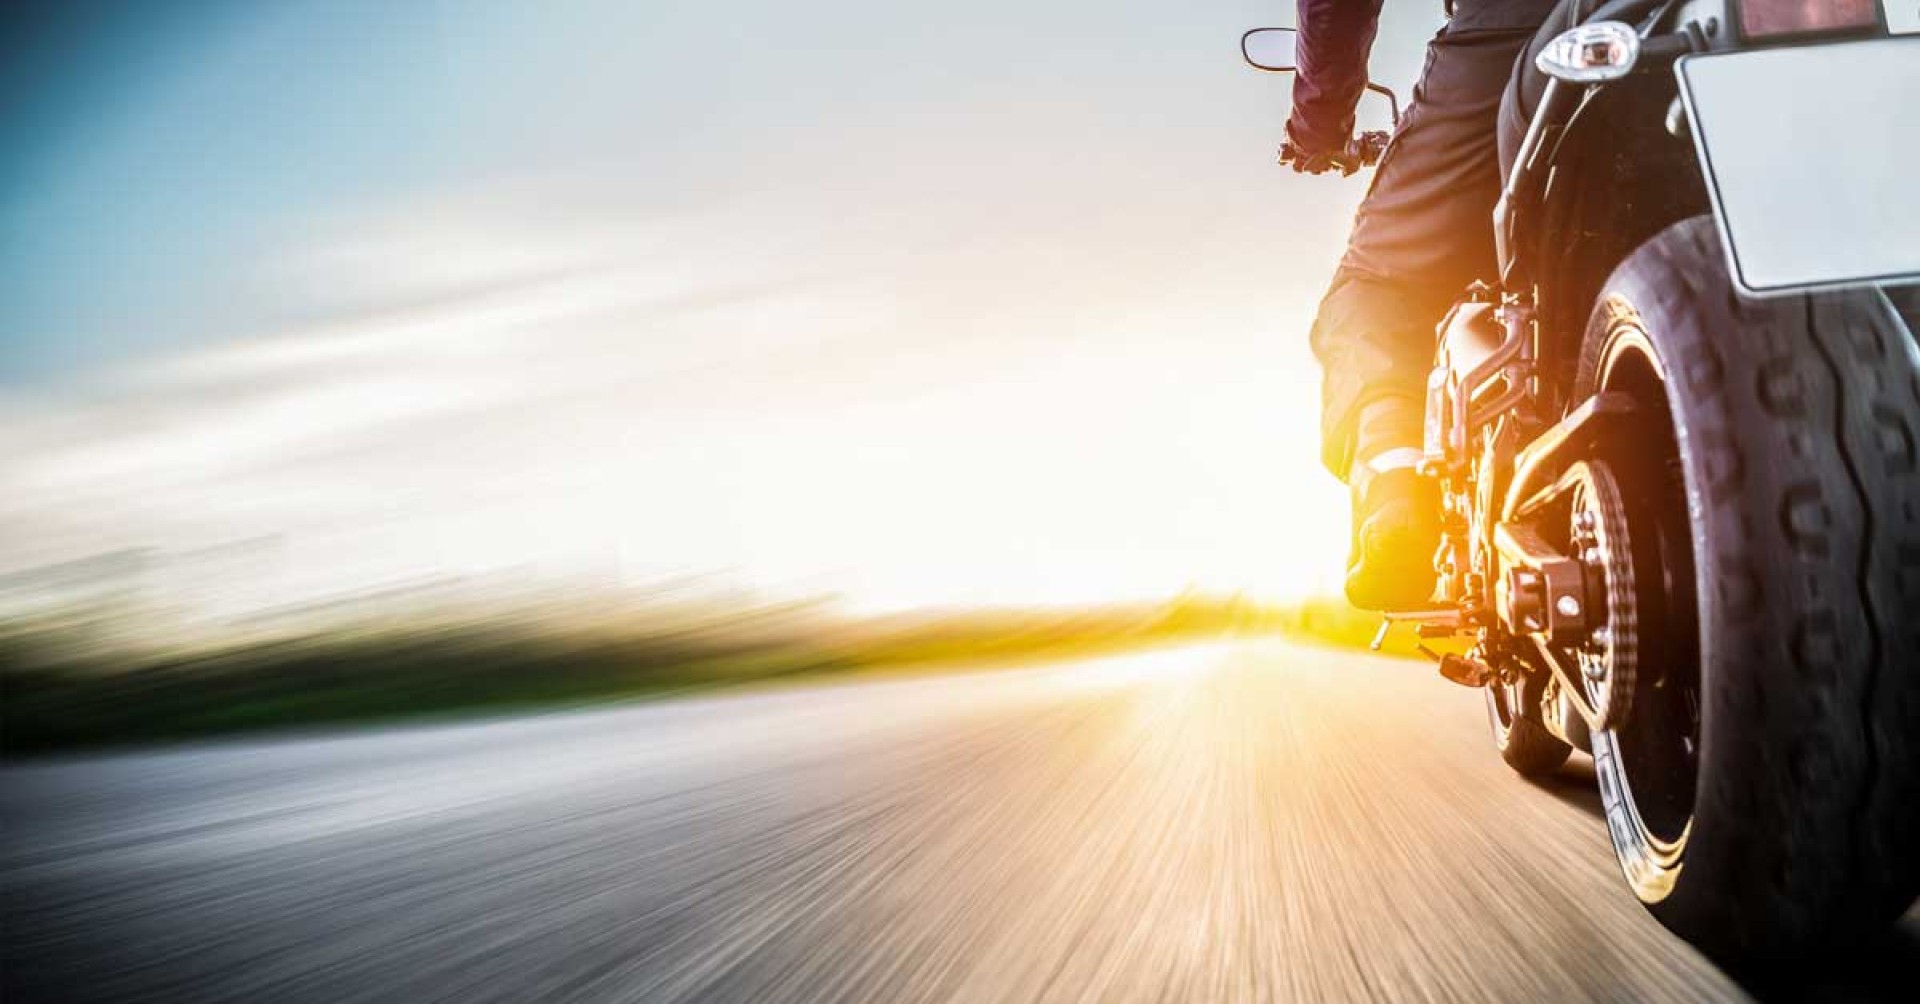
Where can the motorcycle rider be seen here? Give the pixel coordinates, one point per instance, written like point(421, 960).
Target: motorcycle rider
point(1420, 236)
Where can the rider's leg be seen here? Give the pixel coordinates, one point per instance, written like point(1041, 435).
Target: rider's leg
point(1375, 347)
point(1423, 232)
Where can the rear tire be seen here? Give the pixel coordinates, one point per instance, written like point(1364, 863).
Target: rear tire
point(1794, 430)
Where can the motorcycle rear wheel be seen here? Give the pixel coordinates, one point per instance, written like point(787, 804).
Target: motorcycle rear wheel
point(1780, 444)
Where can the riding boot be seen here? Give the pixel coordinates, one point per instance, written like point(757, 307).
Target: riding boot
point(1396, 512)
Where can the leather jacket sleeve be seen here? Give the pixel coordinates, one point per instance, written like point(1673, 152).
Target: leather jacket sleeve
point(1331, 61)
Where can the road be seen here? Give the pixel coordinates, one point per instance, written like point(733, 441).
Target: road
point(1233, 823)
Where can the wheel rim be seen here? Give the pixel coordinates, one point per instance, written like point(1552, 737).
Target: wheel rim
point(1648, 765)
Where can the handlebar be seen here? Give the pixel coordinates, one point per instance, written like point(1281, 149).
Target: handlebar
point(1366, 148)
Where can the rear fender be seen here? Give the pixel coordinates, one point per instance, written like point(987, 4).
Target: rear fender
point(1617, 177)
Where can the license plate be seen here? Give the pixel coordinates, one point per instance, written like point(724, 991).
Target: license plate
point(1812, 155)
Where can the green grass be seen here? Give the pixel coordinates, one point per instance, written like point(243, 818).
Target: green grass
point(57, 694)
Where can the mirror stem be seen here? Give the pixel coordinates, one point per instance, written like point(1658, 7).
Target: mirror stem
point(1393, 102)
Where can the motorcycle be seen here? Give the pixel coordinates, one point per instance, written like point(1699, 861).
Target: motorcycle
point(1678, 438)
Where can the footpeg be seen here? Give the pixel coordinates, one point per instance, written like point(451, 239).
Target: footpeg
point(1464, 671)
point(1439, 623)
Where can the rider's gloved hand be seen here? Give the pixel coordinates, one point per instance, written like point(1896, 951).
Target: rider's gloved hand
point(1312, 148)
point(1315, 161)
point(1346, 157)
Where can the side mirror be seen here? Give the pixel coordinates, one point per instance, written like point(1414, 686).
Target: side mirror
point(1269, 49)
point(1275, 50)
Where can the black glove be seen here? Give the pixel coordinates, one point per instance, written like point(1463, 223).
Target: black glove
point(1356, 153)
point(1315, 161)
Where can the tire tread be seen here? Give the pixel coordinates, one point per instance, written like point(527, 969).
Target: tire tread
point(1796, 417)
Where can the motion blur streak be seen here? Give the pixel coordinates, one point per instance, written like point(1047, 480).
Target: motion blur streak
point(1235, 823)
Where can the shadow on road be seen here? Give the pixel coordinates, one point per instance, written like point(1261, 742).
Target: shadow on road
point(1881, 969)
point(1575, 785)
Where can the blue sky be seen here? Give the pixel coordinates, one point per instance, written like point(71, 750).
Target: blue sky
point(757, 245)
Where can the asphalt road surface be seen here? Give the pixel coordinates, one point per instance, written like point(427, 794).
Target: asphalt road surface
point(1234, 823)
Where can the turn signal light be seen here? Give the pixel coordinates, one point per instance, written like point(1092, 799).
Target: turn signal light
point(1592, 53)
point(1773, 18)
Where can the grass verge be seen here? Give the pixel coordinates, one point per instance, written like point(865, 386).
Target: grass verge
point(56, 695)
